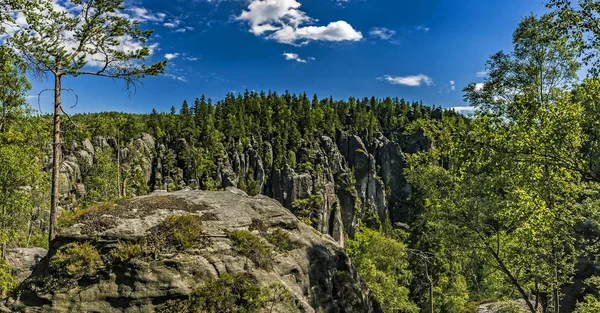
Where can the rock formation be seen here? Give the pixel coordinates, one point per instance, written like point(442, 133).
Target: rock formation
point(127, 257)
point(354, 178)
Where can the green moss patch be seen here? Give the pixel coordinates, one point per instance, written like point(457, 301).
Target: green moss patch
point(252, 247)
point(175, 234)
point(91, 217)
point(76, 260)
point(238, 293)
point(127, 251)
point(280, 239)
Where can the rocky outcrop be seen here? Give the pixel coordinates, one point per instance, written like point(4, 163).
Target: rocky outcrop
point(23, 260)
point(517, 306)
point(352, 177)
point(133, 272)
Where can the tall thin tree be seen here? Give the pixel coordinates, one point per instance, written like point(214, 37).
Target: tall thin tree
point(80, 37)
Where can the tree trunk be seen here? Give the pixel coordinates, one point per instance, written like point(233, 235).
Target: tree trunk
point(118, 166)
point(124, 190)
point(512, 279)
point(3, 128)
point(56, 159)
point(430, 281)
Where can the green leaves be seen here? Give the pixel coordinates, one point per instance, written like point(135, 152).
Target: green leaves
point(383, 264)
point(87, 37)
point(13, 86)
point(510, 181)
point(581, 22)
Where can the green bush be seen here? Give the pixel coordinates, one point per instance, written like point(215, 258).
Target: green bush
point(7, 278)
point(307, 209)
point(233, 294)
point(39, 240)
point(591, 304)
point(127, 251)
point(248, 184)
point(175, 233)
point(382, 262)
point(239, 293)
point(76, 259)
point(185, 231)
point(252, 247)
point(280, 239)
point(70, 218)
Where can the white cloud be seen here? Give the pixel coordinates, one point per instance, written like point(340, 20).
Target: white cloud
point(282, 20)
point(144, 15)
point(335, 31)
point(382, 33)
point(423, 29)
point(69, 42)
point(170, 56)
point(295, 57)
point(172, 24)
point(176, 77)
point(479, 87)
point(412, 81)
point(192, 58)
point(482, 73)
point(463, 109)
point(184, 29)
point(452, 85)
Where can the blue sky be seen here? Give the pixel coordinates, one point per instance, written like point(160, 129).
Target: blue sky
point(420, 50)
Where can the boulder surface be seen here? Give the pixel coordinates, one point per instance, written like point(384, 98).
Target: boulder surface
point(163, 253)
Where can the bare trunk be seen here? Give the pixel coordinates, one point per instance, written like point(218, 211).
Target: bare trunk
point(3, 128)
point(512, 279)
point(556, 301)
point(430, 281)
point(56, 160)
point(118, 166)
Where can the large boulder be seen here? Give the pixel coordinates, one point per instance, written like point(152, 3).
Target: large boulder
point(142, 265)
point(516, 306)
point(22, 260)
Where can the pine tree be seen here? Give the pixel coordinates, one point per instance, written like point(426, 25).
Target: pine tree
point(71, 42)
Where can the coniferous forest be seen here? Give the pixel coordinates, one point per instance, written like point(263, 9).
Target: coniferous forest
point(437, 211)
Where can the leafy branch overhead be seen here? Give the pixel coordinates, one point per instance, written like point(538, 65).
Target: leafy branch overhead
point(83, 37)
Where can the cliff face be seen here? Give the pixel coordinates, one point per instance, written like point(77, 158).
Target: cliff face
point(343, 178)
point(189, 250)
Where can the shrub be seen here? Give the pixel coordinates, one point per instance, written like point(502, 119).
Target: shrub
point(239, 293)
point(39, 240)
point(277, 293)
point(233, 293)
point(185, 231)
point(70, 218)
point(76, 259)
point(383, 264)
point(175, 233)
point(252, 247)
point(248, 184)
point(307, 209)
point(127, 251)
point(7, 278)
point(280, 239)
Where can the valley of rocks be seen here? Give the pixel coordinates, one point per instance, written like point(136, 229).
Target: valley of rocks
point(355, 172)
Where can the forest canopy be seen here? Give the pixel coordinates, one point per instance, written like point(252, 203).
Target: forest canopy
point(499, 206)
